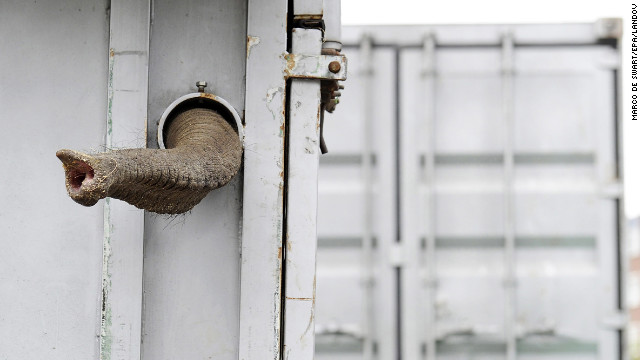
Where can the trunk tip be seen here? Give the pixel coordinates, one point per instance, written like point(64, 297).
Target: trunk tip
point(69, 156)
point(78, 171)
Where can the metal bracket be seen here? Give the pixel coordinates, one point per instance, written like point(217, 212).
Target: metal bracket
point(328, 67)
point(315, 67)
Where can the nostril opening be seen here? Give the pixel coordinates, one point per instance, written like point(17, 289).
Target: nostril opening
point(79, 174)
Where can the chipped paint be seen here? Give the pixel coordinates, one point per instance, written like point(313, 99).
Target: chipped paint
point(311, 145)
point(106, 339)
point(290, 61)
point(251, 42)
point(304, 105)
point(304, 66)
point(209, 96)
point(110, 92)
point(276, 108)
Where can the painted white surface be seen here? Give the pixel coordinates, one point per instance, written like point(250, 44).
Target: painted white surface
point(263, 192)
point(121, 313)
point(355, 306)
point(191, 262)
point(58, 76)
point(302, 205)
point(361, 12)
point(53, 95)
point(563, 221)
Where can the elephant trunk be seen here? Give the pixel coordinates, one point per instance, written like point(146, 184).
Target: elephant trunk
point(203, 152)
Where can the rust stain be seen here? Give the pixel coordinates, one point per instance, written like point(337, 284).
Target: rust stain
point(112, 52)
point(291, 62)
point(333, 52)
point(318, 115)
point(280, 253)
point(288, 243)
point(300, 298)
point(251, 42)
point(314, 293)
point(280, 199)
point(208, 96)
point(309, 16)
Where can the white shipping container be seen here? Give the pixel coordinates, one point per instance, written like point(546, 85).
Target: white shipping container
point(470, 205)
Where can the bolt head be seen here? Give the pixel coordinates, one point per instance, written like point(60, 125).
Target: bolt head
point(201, 84)
point(334, 67)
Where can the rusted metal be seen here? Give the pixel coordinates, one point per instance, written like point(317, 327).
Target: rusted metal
point(334, 67)
point(304, 66)
point(302, 175)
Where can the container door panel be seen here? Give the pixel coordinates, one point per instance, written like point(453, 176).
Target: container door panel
point(355, 311)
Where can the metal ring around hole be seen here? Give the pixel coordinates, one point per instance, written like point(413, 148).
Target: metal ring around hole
point(207, 96)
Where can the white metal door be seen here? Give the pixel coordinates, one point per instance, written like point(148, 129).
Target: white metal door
point(75, 281)
point(357, 224)
point(509, 193)
point(53, 94)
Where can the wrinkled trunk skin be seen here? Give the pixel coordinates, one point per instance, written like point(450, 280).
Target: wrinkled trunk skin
point(203, 153)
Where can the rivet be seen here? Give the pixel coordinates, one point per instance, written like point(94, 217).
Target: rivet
point(334, 67)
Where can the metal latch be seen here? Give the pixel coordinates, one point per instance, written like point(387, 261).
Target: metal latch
point(316, 67)
point(330, 67)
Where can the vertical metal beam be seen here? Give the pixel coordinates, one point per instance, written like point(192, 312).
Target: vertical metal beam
point(308, 9)
point(429, 79)
point(609, 198)
point(333, 23)
point(508, 208)
point(120, 330)
point(263, 194)
point(368, 316)
point(302, 205)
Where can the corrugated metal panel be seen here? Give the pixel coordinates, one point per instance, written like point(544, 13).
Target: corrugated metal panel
point(509, 191)
point(356, 216)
